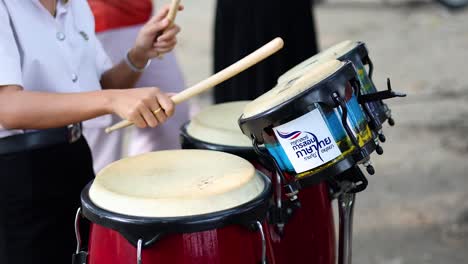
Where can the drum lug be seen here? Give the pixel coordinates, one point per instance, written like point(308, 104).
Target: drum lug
point(279, 216)
point(139, 251)
point(291, 190)
point(263, 238)
point(80, 256)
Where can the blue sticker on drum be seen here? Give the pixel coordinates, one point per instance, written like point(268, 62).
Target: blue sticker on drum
point(307, 141)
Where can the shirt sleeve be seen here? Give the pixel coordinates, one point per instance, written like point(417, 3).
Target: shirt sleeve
point(103, 62)
point(10, 60)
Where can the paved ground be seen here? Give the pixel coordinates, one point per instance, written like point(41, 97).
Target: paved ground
point(412, 211)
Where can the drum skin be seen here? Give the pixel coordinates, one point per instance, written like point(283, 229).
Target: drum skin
point(230, 245)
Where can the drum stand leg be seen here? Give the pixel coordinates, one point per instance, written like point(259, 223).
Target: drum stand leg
point(346, 209)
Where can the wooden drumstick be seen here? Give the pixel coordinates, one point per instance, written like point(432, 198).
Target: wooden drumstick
point(236, 68)
point(171, 16)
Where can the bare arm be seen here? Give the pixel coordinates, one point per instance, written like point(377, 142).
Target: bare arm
point(21, 109)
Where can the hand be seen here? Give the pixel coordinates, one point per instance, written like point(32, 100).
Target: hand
point(138, 105)
point(156, 37)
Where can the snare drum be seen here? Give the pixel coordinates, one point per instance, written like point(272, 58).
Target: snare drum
point(180, 206)
point(357, 53)
point(312, 125)
point(308, 235)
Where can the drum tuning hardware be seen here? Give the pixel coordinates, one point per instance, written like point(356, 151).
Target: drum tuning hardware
point(263, 238)
point(80, 256)
point(344, 117)
point(369, 168)
point(391, 121)
point(379, 150)
point(139, 251)
point(371, 66)
point(382, 137)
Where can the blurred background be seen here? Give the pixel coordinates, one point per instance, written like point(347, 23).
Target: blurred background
point(415, 209)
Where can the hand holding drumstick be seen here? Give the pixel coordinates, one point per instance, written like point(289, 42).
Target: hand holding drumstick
point(241, 65)
point(157, 36)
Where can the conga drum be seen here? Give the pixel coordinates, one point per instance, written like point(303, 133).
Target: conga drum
point(356, 52)
point(312, 127)
point(180, 206)
point(308, 234)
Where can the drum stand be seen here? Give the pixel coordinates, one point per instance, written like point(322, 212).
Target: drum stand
point(346, 211)
point(347, 185)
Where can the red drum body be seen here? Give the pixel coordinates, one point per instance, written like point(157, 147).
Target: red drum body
point(229, 245)
point(308, 236)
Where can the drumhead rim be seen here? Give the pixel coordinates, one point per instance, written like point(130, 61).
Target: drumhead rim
point(184, 133)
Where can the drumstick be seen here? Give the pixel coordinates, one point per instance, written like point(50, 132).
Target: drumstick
point(236, 68)
point(171, 16)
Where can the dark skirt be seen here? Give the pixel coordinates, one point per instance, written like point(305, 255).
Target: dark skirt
point(39, 195)
point(242, 26)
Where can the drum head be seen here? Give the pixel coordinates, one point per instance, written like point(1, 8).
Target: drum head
point(334, 52)
point(176, 183)
point(286, 91)
point(217, 124)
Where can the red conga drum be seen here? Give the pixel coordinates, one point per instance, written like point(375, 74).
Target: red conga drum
point(297, 235)
point(180, 206)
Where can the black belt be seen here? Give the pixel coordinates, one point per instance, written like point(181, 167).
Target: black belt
point(40, 139)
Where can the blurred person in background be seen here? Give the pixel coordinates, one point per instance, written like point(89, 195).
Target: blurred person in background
point(241, 26)
point(55, 74)
point(117, 24)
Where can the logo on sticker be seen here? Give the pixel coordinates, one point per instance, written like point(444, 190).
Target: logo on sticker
point(307, 145)
point(307, 141)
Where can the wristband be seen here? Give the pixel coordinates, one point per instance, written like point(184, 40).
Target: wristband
point(132, 66)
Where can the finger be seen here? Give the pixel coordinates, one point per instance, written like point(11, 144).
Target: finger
point(162, 13)
point(161, 116)
point(153, 104)
point(166, 104)
point(137, 119)
point(170, 44)
point(148, 116)
point(158, 26)
point(170, 33)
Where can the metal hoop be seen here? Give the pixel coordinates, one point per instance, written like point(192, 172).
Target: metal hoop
point(262, 235)
point(139, 249)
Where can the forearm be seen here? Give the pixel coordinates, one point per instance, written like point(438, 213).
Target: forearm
point(21, 109)
point(121, 76)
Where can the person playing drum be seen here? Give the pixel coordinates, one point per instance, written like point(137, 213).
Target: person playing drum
point(52, 69)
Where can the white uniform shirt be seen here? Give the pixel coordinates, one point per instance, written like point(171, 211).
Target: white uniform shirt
point(46, 54)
